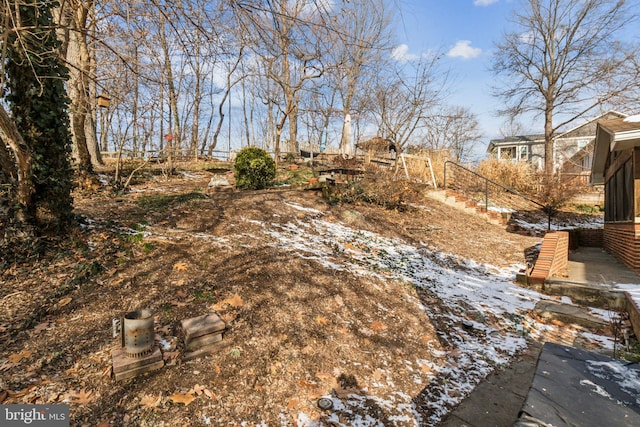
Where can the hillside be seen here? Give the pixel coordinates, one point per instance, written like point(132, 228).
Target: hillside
point(393, 315)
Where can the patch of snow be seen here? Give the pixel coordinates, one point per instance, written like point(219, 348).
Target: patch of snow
point(566, 300)
point(489, 290)
point(302, 208)
point(632, 289)
point(604, 342)
point(596, 388)
point(253, 221)
point(606, 315)
point(166, 345)
point(632, 119)
point(501, 210)
point(191, 175)
point(542, 225)
point(483, 311)
point(627, 379)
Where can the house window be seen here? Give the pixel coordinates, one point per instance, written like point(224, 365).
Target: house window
point(508, 153)
point(515, 153)
point(609, 205)
point(524, 153)
point(619, 194)
point(628, 191)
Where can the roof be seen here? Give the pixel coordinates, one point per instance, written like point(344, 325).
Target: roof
point(613, 135)
point(582, 130)
point(575, 131)
point(515, 140)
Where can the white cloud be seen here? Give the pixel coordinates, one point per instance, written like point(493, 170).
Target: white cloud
point(401, 54)
point(484, 2)
point(463, 49)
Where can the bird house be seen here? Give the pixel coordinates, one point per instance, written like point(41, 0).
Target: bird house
point(103, 100)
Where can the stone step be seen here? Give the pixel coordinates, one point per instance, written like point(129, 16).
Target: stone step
point(570, 314)
point(587, 295)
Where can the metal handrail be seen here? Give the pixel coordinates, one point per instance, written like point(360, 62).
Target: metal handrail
point(545, 208)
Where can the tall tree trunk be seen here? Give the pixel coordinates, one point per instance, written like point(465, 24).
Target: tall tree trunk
point(244, 113)
point(78, 85)
point(91, 130)
point(25, 187)
point(174, 140)
point(195, 128)
point(293, 127)
point(136, 97)
point(548, 143)
point(216, 134)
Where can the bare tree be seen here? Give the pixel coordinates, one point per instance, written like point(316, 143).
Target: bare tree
point(511, 127)
point(402, 101)
point(564, 58)
point(454, 129)
point(360, 38)
point(231, 81)
point(288, 38)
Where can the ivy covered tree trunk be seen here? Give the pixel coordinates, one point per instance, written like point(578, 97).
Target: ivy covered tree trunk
point(36, 96)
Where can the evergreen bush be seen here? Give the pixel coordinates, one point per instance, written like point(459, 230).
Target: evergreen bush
point(254, 169)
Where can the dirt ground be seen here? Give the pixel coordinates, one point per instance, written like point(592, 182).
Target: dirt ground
point(296, 329)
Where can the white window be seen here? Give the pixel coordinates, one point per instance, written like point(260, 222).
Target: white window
point(523, 153)
point(516, 153)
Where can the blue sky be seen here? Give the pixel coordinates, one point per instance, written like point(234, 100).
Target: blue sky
point(466, 30)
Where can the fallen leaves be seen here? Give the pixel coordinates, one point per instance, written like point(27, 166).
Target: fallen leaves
point(184, 398)
point(14, 395)
point(17, 357)
point(41, 327)
point(64, 301)
point(201, 390)
point(6, 366)
point(322, 320)
point(181, 266)
point(378, 326)
point(234, 301)
point(80, 397)
point(149, 401)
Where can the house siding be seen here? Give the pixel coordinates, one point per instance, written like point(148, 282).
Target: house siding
point(623, 240)
point(572, 149)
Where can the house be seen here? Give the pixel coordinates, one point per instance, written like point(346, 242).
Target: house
point(572, 149)
point(616, 164)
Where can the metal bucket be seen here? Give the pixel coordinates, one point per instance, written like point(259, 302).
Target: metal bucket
point(137, 333)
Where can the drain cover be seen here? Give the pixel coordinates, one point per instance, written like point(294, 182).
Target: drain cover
point(325, 404)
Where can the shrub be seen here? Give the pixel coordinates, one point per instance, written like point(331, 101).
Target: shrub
point(520, 176)
point(377, 189)
point(254, 169)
